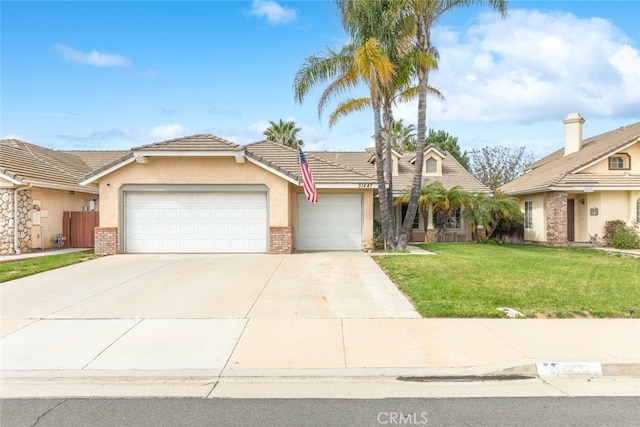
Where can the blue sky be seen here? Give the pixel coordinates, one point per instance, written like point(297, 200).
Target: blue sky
point(114, 75)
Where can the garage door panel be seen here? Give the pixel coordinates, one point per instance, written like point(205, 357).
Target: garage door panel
point(195, 222)
point(334, 223)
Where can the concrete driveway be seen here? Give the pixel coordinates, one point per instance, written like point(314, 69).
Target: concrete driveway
point(311, 285)
point(168, 312)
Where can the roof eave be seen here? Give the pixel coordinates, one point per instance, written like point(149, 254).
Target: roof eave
point(10, 179)
point(187, 153)
point(88, 179)
point(274, 171)
point(55, 186)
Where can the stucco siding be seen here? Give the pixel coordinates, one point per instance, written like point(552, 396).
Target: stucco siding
point(52, 204)
point(603, 166)
point(192, 170)
point(538, 232)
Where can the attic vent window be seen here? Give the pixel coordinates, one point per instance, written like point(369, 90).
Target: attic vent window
point(432, 165)
point(620, 161)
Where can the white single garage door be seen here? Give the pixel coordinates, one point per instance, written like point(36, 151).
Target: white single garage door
point(198, 222)
point(334, 223)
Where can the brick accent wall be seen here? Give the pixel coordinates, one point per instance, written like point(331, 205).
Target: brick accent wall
point(280, 240)
point(556, 208)
point(106, 240)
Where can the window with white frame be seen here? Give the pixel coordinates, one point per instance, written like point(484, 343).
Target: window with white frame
point(432, 165)
point(528, 214)
point(416, 219)
point(620, 161)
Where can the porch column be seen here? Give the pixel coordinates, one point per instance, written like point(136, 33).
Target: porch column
point(556, 209)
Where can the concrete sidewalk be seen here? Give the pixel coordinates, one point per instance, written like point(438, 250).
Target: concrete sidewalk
point(190, 356)
point(296, 327)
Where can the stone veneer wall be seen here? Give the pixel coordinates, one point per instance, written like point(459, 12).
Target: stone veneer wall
point(280, 240)
point(7, 220)
point(106, 240)
point(556, 208)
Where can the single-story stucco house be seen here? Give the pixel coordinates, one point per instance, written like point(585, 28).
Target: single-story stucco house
point(37, 185)
point(569, 195)
point(202, 193)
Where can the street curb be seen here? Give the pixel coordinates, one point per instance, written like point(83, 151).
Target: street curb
point(558, 369)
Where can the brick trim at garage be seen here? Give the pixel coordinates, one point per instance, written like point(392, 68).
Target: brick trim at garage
point(106, 240)
point(280, 240)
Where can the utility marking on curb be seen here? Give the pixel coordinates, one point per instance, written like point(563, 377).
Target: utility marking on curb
point(556, 369)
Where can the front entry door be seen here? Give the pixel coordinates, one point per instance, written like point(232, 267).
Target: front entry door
point(571, 220)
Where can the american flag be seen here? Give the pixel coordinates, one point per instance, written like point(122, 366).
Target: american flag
point(310, 190)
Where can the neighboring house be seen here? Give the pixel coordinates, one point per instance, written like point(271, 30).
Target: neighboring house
point(438, 166)
point(570, 194)
point(202, 193)
point(37, 185)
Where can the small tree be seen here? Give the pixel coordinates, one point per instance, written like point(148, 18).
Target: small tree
point(446, 142)
point(492, 213)
point(497, 165)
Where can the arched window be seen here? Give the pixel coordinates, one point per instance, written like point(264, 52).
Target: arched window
point(432, 165)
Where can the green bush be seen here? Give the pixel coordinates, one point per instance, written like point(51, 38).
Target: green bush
point(626, 237)
point(610, 228)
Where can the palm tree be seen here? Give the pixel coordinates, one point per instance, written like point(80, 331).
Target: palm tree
point(477, 215)
point(489, 212)
point(284, 133)
point(403, 138)
point(444, 203)
point(420, 15)
point(364, 60)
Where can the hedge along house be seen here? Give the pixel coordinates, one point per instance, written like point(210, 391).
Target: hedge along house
point(438, 166)
point(569, 195)
point(37, 185)
point(203, 194)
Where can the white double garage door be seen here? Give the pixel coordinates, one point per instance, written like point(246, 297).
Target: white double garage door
point(233, 222)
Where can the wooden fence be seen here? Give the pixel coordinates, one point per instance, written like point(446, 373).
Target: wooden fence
point(78, 228)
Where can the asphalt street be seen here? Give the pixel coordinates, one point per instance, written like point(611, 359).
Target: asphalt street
point(534, 411)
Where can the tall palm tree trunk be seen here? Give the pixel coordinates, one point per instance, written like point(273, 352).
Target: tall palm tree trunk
point(385, 218)
point(422, 45)
point(387, 117)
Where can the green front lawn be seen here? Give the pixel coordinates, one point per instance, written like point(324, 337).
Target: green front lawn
point(16, 269)
point(472, 280)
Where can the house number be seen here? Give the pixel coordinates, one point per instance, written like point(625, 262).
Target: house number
point(365, 185)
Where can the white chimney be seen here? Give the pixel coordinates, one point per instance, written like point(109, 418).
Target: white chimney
point(572, 133)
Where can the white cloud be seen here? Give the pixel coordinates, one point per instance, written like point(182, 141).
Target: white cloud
point(531, 67)
point(272, 11)
point(94, 58)
point(164, 132)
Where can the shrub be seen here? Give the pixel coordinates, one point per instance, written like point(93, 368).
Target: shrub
point(626, 237)
point(610, 228)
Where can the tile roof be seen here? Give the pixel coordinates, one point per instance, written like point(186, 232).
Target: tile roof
point(97, 159)
point(453, 173)
point(199, 142)
point(285, 160)
point(31, 163)
point(558, 170)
